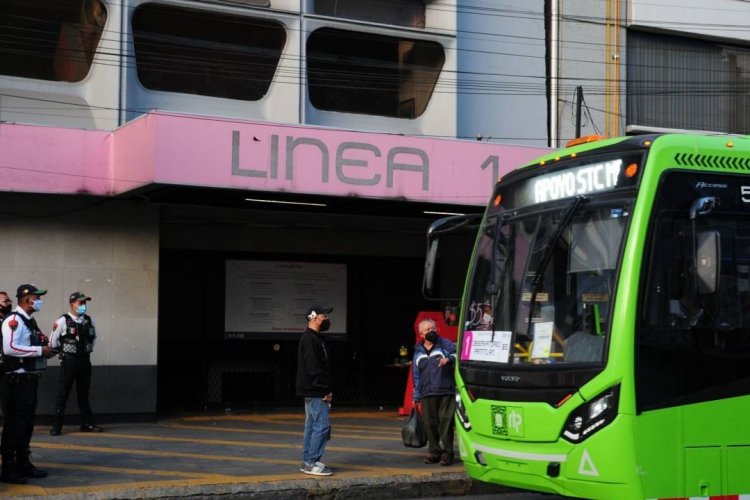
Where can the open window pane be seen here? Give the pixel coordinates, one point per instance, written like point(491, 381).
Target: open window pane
point(50, 39)
point(371, 74)
point(197, 52)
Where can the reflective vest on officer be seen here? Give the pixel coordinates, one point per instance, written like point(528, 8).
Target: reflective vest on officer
point(78, 338)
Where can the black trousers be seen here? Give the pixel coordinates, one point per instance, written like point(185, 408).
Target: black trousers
point(437, 416)
point(20, 410)
point(3, 392)
point(75, 368)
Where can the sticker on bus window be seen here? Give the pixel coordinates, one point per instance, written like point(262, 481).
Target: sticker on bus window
point(486, 346)
point(540, 297)
point(590, 298)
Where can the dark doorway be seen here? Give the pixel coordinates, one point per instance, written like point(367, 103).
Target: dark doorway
point(199, 368)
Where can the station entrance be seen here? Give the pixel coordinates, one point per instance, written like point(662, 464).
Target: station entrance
point(380, 243)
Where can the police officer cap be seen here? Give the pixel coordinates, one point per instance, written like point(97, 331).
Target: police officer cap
point(29, 289)
point(315, 310)
point(79, 296)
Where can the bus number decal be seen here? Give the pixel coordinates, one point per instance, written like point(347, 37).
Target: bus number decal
point(587, 467)
point(745, 194)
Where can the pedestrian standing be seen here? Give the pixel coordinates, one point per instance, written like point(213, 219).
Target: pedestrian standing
point(25, 353)
point(314, 384)
point(435, 391)
point(74, 335)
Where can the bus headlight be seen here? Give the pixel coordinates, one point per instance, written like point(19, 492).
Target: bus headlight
point(591, 416)
point(461, 412)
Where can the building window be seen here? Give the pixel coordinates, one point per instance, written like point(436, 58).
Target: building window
point(395, 12)
point(205, 53)
point(684, 83)
point(50, 39)
point(366, 73)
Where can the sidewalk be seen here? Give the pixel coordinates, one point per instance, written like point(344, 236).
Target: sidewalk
point(243, 455)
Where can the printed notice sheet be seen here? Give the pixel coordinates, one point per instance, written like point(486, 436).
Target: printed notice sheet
point(486, 346)
point(542, 340)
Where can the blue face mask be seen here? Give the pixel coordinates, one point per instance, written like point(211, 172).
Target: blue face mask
point(81, 309)
point(38, 303)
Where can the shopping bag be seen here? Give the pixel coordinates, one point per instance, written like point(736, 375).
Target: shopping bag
point(412, 433)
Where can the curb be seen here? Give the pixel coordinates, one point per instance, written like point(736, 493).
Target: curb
point(392, 487)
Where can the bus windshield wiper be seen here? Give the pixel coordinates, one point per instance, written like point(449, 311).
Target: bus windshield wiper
point(498, 273)
point(536, 280)
point(494, 278)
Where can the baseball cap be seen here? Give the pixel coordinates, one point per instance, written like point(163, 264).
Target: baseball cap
point(78, 296)
point(29, 289)
point(317, 309)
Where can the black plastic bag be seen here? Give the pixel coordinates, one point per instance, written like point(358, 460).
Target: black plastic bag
point(412, 433)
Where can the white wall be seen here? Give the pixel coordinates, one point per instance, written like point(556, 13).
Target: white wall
point(110, 251)
point(501, 71)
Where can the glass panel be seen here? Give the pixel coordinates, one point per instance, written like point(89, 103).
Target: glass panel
point(682, 83)
point(371, 74)
point(197, 52)
point(692, 345)
point(542, 286)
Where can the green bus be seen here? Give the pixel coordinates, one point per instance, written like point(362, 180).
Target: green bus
point(604, 334)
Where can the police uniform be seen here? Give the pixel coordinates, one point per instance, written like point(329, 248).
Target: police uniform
point(23, 362)
point(74, 335)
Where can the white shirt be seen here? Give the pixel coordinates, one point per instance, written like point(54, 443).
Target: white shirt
point(17, 341)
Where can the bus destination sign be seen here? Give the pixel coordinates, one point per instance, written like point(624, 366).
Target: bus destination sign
point(577, 181)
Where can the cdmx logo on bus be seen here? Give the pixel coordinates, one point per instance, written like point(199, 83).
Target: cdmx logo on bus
point(507, 421)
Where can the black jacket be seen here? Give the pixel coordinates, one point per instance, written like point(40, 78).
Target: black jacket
point(313, 366)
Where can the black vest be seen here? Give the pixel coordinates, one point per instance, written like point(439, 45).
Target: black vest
point(78, 338)
point(37, 338)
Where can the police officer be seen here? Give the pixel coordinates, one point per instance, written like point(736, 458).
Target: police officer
point(6, 306)
point(74, 335)
point(25, 349)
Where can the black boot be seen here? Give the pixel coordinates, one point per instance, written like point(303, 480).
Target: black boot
point(57, 424)
point(11, 473)
point(27, 469)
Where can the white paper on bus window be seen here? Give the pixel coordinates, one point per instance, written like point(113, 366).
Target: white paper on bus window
point(484, 346)
point(542, 339)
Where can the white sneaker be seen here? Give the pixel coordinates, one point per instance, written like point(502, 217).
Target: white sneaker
point(316, 469)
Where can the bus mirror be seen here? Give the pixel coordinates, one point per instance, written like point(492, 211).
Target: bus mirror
point(707, 261)
point(428, 283)
point(449, 244)
point(702, 206)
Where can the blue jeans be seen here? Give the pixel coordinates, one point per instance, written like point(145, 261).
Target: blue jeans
point(316, 430)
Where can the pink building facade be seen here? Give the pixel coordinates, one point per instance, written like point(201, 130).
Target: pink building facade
point(151, 218)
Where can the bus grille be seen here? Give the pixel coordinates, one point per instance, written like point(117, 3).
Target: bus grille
point(712, 161)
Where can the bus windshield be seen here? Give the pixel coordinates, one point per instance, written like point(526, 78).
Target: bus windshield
point(542, 283)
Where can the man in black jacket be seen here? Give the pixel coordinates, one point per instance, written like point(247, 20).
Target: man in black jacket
point(314, 384)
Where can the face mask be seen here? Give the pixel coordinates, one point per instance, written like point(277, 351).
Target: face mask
point(325, 325)
point(81, 309)
point(38, 303)
point(5, 309)
point(431, 336)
